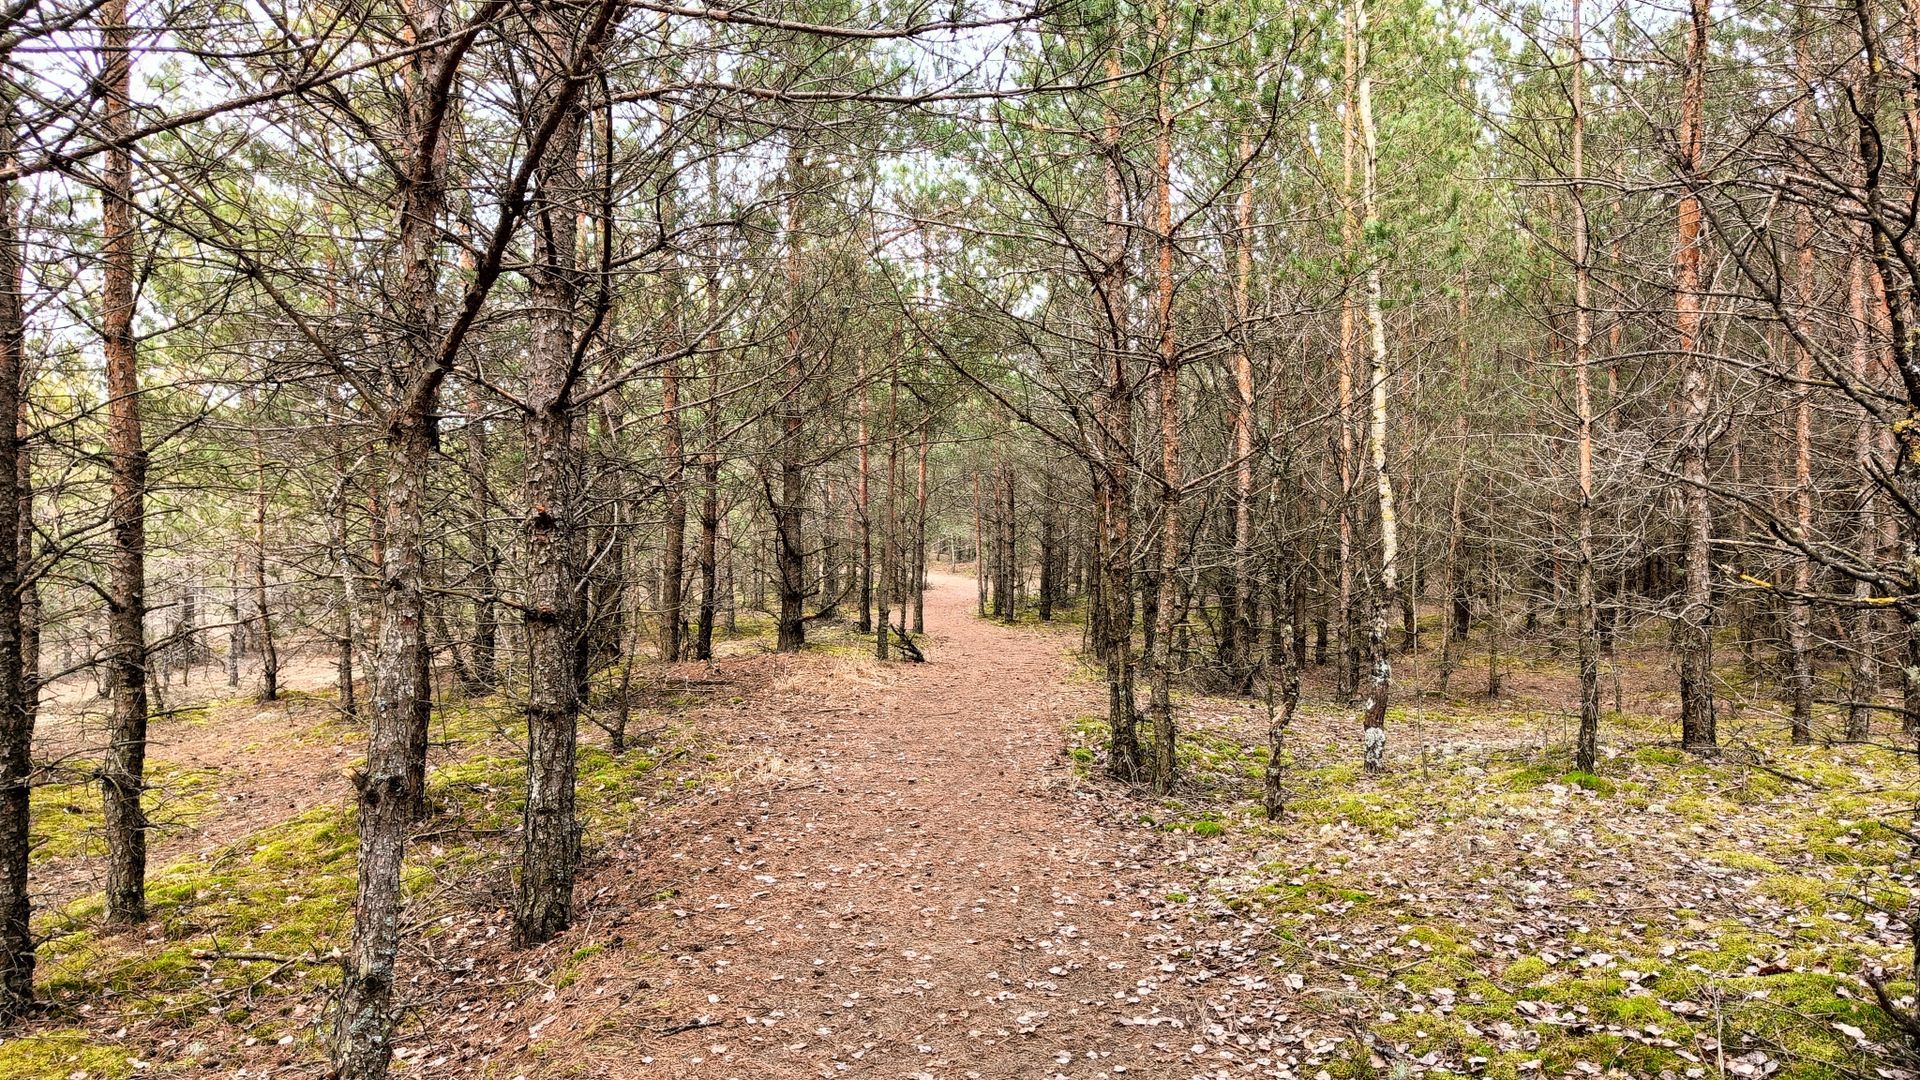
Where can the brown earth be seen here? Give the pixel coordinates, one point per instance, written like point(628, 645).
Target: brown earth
point(909, 882)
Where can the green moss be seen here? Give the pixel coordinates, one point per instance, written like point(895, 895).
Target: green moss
point(62, 1054)
point(67, 819)
point(1588, 781)
point(1525, 971)
point(1743, 860)
point(1802, 892)
point(1372, 814)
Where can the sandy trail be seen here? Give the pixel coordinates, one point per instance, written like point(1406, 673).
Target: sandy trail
point(922, 890)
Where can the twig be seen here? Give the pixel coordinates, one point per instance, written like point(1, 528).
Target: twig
point(691, 1025)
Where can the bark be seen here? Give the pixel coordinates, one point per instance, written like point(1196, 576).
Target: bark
point(1456, 606)
point(1167, 380)
point(863, 507)
point(1799, 608)
point(918, 588)
point(341, 557)
point(485, 668)
point(1694, 627)
point(1374, 707)
point(1863, 674)
point(262, 620)
point(1587, 745)
point(123, 772)
point(710, 478)
point(1049, 544)
point(674, 538)
point(391, 789)
point(550, 837)
point(1239, 628)
point(889, 549)
point(16, 719)
point(1112, 452)
point(789, 510)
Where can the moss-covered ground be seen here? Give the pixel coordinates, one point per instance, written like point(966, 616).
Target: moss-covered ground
point(1481, 908)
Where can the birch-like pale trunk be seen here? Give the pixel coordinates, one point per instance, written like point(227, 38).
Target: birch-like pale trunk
point(1374, 737)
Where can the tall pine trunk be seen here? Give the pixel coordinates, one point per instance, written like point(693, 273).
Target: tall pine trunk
point(550, 836)
point(1693, 637)
point(122, 774)
point(16, 718)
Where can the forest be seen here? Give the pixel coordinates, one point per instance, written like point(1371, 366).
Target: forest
point(1084, 539)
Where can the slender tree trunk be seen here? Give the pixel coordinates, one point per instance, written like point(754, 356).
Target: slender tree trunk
point(1587, 746)
point(550, 841)
point(122, 773)
point(1863, 683)
point(1112, 451)
point(710, 474)
point(1343, 449)
point(391, 789)
point(1374, 739)
point(236, 626)
point(1240, 628)
point(979, 548)
point(16, 719)
point(918, 589)
point(1049, 542)
point(674, 529)
point(486, 560)
point(269, 656)
point(1167, 371)
point(1694, 628)
point(863, 507)
point(1799, 608)
point(889, 546)
point(790, 507)
point(1005, 600)
point(1456, 606)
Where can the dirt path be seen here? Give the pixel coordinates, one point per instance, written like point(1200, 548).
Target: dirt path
point(918, 891)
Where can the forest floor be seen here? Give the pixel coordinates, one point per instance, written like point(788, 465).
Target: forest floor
point(820, 866)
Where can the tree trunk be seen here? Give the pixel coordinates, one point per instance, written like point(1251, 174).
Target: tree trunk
point(1374, 739)
point(1694, 627)
point(550, 840)
point(1112, 451)
point(790, 506)
point(1586, 755)
point(1799, 607)
point(486, 561)
point(269, 656)
point(1863, 681)
point(918, 589)
point(391, 788)
point(1167, 372)
point(1239, 628)
point(863, 506)
point(16, 720)
point(674, 529)
point(122, 773)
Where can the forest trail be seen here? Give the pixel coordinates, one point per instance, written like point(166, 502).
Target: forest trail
point(917, 892)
